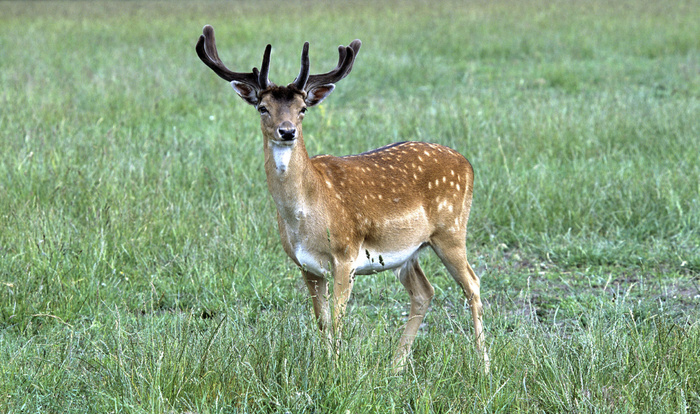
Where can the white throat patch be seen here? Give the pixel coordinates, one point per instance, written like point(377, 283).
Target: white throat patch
point(282, 154)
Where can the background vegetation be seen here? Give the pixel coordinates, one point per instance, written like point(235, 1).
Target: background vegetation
point(140, 269)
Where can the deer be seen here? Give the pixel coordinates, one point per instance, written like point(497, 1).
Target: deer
point(339, 217)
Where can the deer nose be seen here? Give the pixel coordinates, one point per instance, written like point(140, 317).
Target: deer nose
point(287, 131)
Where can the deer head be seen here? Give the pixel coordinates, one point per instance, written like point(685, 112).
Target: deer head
point(281, 108)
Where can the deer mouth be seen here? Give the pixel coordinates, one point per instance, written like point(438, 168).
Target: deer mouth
point(280, 142)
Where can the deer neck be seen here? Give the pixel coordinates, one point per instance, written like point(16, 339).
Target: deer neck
point(291, 178)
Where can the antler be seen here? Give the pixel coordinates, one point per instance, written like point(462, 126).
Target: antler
point(346, 58)
point(206, 49)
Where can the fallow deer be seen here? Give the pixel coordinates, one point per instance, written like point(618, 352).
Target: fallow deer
point(360, 214)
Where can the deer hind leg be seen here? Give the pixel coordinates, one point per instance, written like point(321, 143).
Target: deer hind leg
point(421, 292)
point(453, 254)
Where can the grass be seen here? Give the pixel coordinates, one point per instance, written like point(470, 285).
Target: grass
point(141, 271)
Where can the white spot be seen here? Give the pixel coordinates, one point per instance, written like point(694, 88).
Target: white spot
point(300, 213)
point(443, 204)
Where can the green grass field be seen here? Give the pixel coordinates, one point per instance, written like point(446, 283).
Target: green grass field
point(141, 270)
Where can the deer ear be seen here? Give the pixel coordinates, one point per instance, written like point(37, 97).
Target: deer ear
point(315, 95)
point(245, 91)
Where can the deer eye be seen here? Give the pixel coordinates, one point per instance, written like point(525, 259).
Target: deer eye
point(302, 111)
point(263, 110)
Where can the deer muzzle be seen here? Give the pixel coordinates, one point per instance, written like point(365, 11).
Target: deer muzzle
point(287, 131)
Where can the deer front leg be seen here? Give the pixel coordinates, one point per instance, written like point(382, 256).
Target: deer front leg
point(318, 289)
point(343, 281)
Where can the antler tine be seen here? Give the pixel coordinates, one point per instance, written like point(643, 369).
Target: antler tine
point(206, 50)
point(300, 81)
point(342, 52)
point(263, 80)
point(346, 58)
point(355, 46)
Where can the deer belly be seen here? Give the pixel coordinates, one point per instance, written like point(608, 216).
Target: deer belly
point(370, 261)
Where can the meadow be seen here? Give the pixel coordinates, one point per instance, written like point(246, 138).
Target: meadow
point(140, 265)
